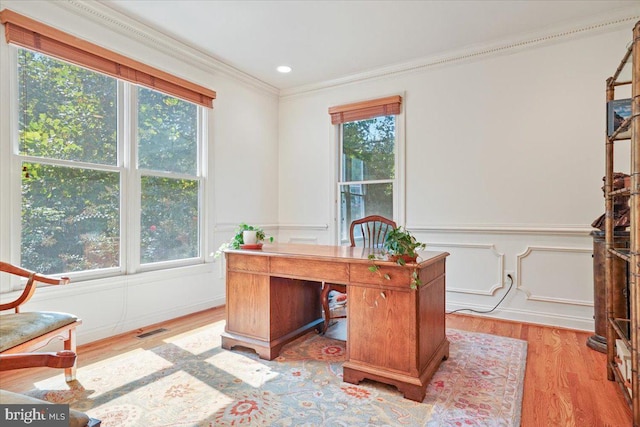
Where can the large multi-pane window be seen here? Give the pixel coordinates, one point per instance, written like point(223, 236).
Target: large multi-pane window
point(103, 160)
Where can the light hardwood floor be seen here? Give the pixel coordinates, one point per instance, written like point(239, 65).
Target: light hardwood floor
point(565, 381)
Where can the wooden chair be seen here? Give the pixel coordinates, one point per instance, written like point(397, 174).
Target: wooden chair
point(369, 232)
point(25, 332)
point(62, 359)
point(373, 230)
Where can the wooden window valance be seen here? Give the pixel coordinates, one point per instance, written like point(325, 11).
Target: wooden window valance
point(365, 109)
point(28, 33)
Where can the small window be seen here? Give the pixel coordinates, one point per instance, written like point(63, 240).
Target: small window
point(368, 181)
point(367, 170)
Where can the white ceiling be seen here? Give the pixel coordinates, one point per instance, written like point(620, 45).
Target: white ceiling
point(325, 40)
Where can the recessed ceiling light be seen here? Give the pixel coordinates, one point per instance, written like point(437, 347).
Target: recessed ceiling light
point(284, 69)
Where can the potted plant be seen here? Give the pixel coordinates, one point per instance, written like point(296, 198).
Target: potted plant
point(247, 236)
point(401, 247)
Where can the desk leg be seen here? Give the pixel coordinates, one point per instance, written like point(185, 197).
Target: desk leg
point(264, 349)
point(412, 388)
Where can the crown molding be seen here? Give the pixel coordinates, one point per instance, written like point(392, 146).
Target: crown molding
point(616, 20)
point(108, 17)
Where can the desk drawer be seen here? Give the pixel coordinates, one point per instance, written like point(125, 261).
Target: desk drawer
point(399, 277)
point(311, 270)
point(259, 264)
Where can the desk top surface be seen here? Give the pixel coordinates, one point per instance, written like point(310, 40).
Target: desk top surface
point(333, 253)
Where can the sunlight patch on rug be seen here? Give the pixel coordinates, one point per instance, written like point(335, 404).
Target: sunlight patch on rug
point(191, 381)
point(246, 369)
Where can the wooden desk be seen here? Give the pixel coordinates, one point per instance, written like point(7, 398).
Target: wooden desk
point(396, 335)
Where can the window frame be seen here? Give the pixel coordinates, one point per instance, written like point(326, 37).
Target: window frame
point(28, 33)
point(130, 180)
point(398, 182)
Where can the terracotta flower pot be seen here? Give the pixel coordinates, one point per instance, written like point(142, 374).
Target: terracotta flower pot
point(406, 258)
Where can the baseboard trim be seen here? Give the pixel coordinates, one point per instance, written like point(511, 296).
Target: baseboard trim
point(86, 336)
point(527, 316)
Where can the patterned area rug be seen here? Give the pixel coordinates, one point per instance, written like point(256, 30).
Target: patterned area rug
point(191, 381)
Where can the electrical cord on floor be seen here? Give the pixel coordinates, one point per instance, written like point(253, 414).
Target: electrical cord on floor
point(496, 306)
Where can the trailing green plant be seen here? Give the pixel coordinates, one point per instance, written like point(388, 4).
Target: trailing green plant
point(375, 268)
point(399, 242)
point(238, 238)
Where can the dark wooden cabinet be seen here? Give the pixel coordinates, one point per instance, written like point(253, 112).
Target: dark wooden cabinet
point(620, 303)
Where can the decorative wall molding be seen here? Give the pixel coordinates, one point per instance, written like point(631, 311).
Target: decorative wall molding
point(322, 227)
point(556, 35)
point(304, 240)
point(111, 18)
point(566, 230)
point(545, 298)
point(230, 227)
point(559, 300)
point(482, 246)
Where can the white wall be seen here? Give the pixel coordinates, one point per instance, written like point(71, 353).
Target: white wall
point(504, 156)
point(504, 161)
point(242, 184)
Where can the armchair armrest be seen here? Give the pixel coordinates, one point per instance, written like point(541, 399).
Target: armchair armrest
point(61, 359)
point(30, 288)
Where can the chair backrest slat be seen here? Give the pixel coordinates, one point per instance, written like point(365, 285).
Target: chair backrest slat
point(373, 229)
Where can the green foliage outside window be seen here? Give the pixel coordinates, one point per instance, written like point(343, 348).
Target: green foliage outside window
point(368, 154)
point(70, 216)
point(169, 219)
point(66, 112)
point(167, 133)
point(371, 141)
point(167, 142)
point(71, 175)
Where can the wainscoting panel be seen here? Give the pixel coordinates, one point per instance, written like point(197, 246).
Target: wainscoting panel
point(483, 260)
point(124, 303)
point(560, 275)
point(306, 234)
point(553, 274)
point(552, 268)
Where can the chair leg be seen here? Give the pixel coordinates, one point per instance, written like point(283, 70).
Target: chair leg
point(324, 299)
point(70, 344)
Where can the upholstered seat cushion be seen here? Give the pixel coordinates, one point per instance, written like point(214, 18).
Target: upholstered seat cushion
point(76, 418)
point(17, 328)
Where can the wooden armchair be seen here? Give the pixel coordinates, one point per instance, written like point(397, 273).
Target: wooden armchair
point(369, 232)
point(22, 332)
point(62, 359)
